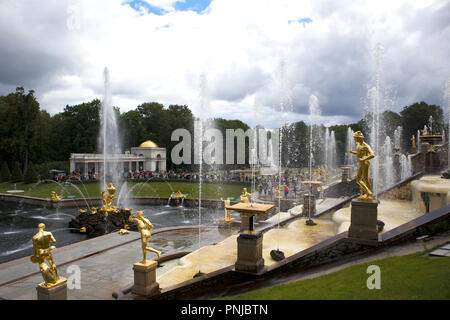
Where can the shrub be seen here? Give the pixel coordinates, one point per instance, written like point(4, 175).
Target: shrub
point(16, 173)
point(5, 175)
point(30, 175)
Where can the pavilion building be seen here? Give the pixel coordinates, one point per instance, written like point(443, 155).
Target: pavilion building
point(147, 157)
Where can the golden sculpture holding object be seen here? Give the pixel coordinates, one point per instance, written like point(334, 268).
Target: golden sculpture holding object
point(144, 226)
point(245, 196)
point(55, 197)
point(364, 153)
point(42, 247)
point(108, 198)
point(228, 214)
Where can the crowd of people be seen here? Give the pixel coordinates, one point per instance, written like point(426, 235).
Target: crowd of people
point(267, 186)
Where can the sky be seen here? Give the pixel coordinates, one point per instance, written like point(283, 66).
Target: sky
point(254, 60)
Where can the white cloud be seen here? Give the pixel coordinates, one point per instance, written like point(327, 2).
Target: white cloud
point(236, 44)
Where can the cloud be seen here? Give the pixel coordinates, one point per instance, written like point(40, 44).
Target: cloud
point(59, 48)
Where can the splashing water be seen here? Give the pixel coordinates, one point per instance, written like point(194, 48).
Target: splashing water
point(109, 142)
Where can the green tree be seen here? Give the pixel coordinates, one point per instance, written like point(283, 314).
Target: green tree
point(79, 128)
point(155, 122)
point(132, 127)
point(417, 115)
point(5, 175)
point(30, 175)
point(16, 175)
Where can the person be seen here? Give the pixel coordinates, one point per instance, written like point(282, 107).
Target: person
point(144, 226)
point(364, 153)
point(286, 191)
point(42, 252)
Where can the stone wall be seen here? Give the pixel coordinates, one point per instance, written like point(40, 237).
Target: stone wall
point(402, 192)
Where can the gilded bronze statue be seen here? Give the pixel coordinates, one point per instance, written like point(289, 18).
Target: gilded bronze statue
point(245, 196)
point(364, 153)
point(55, 197)
point(108, 198)
point(42, 247)
point(144, 226)
point(228, 214)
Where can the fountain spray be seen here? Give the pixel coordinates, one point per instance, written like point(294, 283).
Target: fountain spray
point(447, 100)
point(314, 111)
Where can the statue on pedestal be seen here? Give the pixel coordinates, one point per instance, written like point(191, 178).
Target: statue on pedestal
point(144, 226)
point(364, 153)
point(228, 214)
point(42, 252)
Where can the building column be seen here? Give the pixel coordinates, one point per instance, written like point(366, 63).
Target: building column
point(86, 167)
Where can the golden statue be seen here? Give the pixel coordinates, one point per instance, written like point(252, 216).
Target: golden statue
point(83, 230)
point(364, 153)
point(123, 231)
point(413, 139)
point(108, 198)
point(179, 194)
point(42, 252)
point(144, 226)
point(228, 214)
point(55, 197)
point(245, 196)
point(82, 210)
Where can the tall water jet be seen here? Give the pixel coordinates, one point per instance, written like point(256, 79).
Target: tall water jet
point(330, 150)
point(109, 142)
point(397, 138)
point(349, 145)
point(430, 124)
point(447, 101)
point(376, 103)
point(405, 167)
point(314, 112)
point(388, 164)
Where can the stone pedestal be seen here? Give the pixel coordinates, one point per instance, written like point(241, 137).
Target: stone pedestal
point(245, 223)
point(145, 278)
point(432, 162)
point(249, 252)
point(309, 203)
point(54, 292)
point(363, 224)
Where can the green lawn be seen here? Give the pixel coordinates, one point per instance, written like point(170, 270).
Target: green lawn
point(149, 189)
point(410, 277)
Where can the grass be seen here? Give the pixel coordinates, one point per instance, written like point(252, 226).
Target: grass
point(410, 277)
point(149, 189)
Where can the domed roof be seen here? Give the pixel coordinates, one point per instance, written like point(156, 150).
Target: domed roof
point(148, 144)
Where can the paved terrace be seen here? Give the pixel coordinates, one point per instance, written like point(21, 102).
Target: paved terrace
point(105, 262)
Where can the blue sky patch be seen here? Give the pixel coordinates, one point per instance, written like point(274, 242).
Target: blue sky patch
point(143, 6)
point(303, 21)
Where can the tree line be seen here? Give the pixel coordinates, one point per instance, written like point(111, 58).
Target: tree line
point(30, 136)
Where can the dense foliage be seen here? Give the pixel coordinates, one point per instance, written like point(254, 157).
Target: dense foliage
point(29, 134)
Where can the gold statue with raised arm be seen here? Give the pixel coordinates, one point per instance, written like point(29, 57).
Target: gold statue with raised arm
point(108, 198)
point(364, 153)
point(245, 196)
point(42, 247)
point(144, 226)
